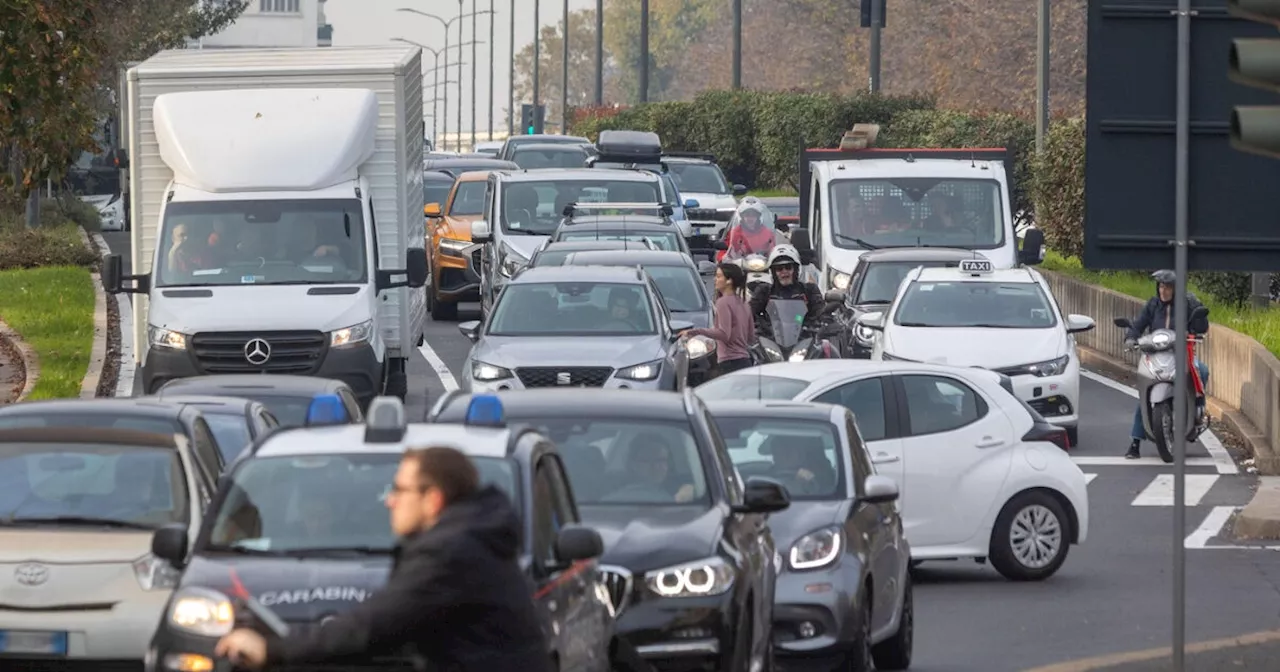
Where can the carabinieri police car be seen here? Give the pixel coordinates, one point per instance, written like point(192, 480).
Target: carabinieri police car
point(299, 524)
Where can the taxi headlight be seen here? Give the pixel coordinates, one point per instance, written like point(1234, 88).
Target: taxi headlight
point(453, 246)
point(817, 549)
point(701, 578)
point(166, 338)
point(202, 612)
point(699, 347)
point(838, 280)
point(352, 335)
point(483, 371)
point(756, 264)
point(646, 371)
point(154, 573)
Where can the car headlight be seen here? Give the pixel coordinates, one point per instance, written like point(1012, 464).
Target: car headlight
point(453, 246)
point(797, 356)
point(512, 263)
point(756, 264)
point(482, 371)
point(154, 573)
point(699, 346)
point(356, 333)
point(202, 612)
point(646, 371)
point(817, 549)
point(1052, 367)
point(165, 338)
point(864, 333)
point(701, 578)
point(838, 280)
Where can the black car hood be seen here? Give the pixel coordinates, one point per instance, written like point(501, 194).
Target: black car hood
point(642, 538)
point(803, 517)
point(296, 590)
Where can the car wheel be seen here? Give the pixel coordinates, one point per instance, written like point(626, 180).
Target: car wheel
point(859, 659)
point(895, 653)
point(1073, 436)
point(1031, 537)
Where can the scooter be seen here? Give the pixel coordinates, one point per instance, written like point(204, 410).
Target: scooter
point(789, 342)
point(1157, 370)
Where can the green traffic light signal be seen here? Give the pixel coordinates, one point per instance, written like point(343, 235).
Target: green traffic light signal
point(529, 131)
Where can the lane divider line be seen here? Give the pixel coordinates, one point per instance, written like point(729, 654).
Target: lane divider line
point(442, 371)
point(1160, 491)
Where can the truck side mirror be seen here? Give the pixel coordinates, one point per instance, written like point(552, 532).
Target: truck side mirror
point(121, 158)
point(416, 266)
point(112, 273)
point(1032, 252)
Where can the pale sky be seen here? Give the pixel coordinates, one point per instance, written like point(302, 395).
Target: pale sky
point(366, 22)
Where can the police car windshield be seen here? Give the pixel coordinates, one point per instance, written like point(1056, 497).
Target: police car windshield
point(994, 305)
point(320, 504)
point(751, 387)
point(629, 461)
point(573, 309)
point(884, 278)
point(231, 431)
point(660, 241)
point(907, 212)
point(537, 207)
point(122, 486)
point(803, 454)
point(699, 178)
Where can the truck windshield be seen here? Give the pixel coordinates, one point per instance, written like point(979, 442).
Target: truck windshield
point(538, 207)
point(911, 212)
point(275, 242)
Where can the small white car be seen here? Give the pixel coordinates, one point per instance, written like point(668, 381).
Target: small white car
point(1005, 320)
point(981, 474)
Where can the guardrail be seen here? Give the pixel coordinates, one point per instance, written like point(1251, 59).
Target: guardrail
point(1243, 375)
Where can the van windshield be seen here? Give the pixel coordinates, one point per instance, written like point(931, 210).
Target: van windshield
point(275, 242)
point(917, 211)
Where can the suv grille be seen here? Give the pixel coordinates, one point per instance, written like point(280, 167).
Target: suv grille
point(564, 376)
point(619, 583)
point(296, 352)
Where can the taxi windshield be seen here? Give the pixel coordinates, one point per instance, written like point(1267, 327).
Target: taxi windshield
point(995, 305)
point(803, 455)
point(629, 461)
point(573, 309)
point(751, 386)
point(292, 505)
point(119, 486)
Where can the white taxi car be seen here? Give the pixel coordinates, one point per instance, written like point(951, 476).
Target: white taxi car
point(1003, 320)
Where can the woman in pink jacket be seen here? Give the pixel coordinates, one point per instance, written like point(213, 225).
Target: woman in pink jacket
point(734, 329)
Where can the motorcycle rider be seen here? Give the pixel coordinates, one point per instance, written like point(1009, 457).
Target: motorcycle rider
point(784, 264)
point(751, 231)
point(1158, 314)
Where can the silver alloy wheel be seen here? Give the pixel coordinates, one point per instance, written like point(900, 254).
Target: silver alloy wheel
point(1035, 536)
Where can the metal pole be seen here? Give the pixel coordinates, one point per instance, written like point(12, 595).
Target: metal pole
point(737, 44)
point(1042, 76)
point(435, 100)
point(474, 18)
point(458, 143)
point(599, 53)
point(444, 121)
point(493, 17)
point(564, 73)
point(1261, 290)
point(644, 51)
point(537, 58)
point(875, 45)
point(1180, 410)
point(511, 74)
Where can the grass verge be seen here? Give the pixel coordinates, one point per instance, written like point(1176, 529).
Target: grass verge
point(770, 193)
point(1259, 324)
point(52, 309)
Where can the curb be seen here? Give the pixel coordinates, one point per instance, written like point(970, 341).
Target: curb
point(30, 363)
point(98, 353)
point(1260, 519)
point(124, 313)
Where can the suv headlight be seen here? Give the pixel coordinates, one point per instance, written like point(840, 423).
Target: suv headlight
point(154, 573)
point(453, 247)
point(486, 372)
point(817, 549)
point(1052, 367)
point(201, 611)
point(864, 333)
point(699, 346)
point(700, 578)
point(356, 333)
point(837, 280)
point(646, 371)
point(166, 338)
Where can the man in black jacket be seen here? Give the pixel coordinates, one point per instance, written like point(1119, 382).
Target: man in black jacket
point(784, 264)
point(455, 589)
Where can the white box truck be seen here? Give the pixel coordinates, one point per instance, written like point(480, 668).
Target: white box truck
point(277, 200)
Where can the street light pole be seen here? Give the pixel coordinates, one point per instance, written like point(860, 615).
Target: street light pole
point(599, 53)
point(875, 45)
point(511, 74)
point(737, 44)
point(644, 51)
point(537, 57)
point(564, 73)
point(492, 17)
point(458, 143)
point(474, 18)
point(1042, 76)
point(446, 25)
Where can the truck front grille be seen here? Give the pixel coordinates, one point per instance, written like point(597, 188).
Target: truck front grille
point(291, 352)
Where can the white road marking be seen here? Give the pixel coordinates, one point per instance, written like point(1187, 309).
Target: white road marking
point(1218, 454)
point(442, 371)
point(1160, 491)
point(124, 309)
point(1105, 461)
point(1088, 478)
point(1210, 528)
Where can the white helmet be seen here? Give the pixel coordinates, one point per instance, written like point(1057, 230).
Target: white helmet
point(784, 254)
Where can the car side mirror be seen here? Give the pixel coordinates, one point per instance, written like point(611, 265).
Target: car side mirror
point(706, 267)
point(575, 543)
point(415, 266)
point(1122, 322)
point(872, 321)
point(679, 326)
point(692, 203)
point(470, 329)
point(480, 232)
point(432, 210)
point(1079, 323)
point(879, 489)
point(739, 190)
point(763, 495)
point(1032, 252)
point(801, 240)
point(169, 543)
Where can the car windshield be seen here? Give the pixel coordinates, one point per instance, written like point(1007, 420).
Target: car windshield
point(292, 505)
point(680, 286)
point(566, 156)
point(468, 200)
point(663, 240)
point(751, 386)
point(537, 207)
point(629, 461)
point(289, 411)
point(1020, 305)
point(884, 278)
point(275, 242)
point(909, 212)
point(437, 191)
point(572, 308)
point(231, 431)
point(699, 178)
point(117, 420)
point(804, 455)
point(124, 486)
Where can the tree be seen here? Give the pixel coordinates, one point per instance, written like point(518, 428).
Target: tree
point(675, 26)
point(582, 67)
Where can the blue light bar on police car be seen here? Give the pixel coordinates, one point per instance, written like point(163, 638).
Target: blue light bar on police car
point(485, 410)
point(327, 409)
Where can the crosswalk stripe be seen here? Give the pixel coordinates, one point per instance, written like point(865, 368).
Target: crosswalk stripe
point(1089, 461)
point(1210, 528)
point(1160, 491)
point(1088, 478)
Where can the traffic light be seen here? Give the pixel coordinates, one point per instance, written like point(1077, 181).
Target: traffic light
point(1255, 62)
point(531, 118)
point(865, 10)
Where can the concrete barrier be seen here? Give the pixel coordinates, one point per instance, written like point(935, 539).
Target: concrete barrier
point(1244, 378)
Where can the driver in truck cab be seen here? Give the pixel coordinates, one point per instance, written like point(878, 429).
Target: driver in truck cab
point(189, 250)
point(784, 265)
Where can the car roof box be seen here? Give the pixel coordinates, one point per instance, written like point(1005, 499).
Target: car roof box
point(629, 147)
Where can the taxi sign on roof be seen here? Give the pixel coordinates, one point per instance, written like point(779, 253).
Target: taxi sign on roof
point(976, 266)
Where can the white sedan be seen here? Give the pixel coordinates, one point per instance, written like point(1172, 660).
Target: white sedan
point(981, 474)
point(1003, 320)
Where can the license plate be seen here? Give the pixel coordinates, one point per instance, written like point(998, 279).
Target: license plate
point(33, 642)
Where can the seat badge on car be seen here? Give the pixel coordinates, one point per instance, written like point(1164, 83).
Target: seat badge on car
point(563, 378)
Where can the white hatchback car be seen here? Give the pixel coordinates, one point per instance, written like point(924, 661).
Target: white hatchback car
point(1004, 320)
point(981, 474)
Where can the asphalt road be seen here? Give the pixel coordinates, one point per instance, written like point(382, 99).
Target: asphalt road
point(1113, 594)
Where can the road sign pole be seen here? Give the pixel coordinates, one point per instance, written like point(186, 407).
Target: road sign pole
point(1180, 410)
point(1042, 76)
point(875, 45)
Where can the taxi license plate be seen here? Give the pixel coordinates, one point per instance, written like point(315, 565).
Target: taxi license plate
point(32, 642)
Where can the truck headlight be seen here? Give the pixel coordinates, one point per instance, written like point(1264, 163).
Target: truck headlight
point(646, 371)
point(166, 338)
point(356, 333)
point(817, 549)
point(700, 578)
point(154, 573)
point(486, 372)
point(202, 612)
point(453, 247)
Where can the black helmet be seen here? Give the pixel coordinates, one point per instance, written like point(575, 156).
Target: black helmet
point(1165, 277)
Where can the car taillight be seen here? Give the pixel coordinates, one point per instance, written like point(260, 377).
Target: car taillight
point(1046, 432)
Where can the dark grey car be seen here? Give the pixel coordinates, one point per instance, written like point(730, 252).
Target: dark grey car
point(553, 254)
point(661, 232)
point(842, 532)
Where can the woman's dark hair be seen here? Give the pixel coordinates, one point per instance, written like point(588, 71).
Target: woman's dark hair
point(736, 276)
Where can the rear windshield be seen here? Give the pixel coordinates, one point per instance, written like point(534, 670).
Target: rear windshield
point(751, 386)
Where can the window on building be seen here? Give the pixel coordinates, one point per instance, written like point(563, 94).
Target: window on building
point(279, 6)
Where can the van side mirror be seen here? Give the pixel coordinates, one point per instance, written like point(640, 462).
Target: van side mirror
point(415, 259)
point(480, 232)
point(1032, 252)
point(169, 543)
point(112, 270)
